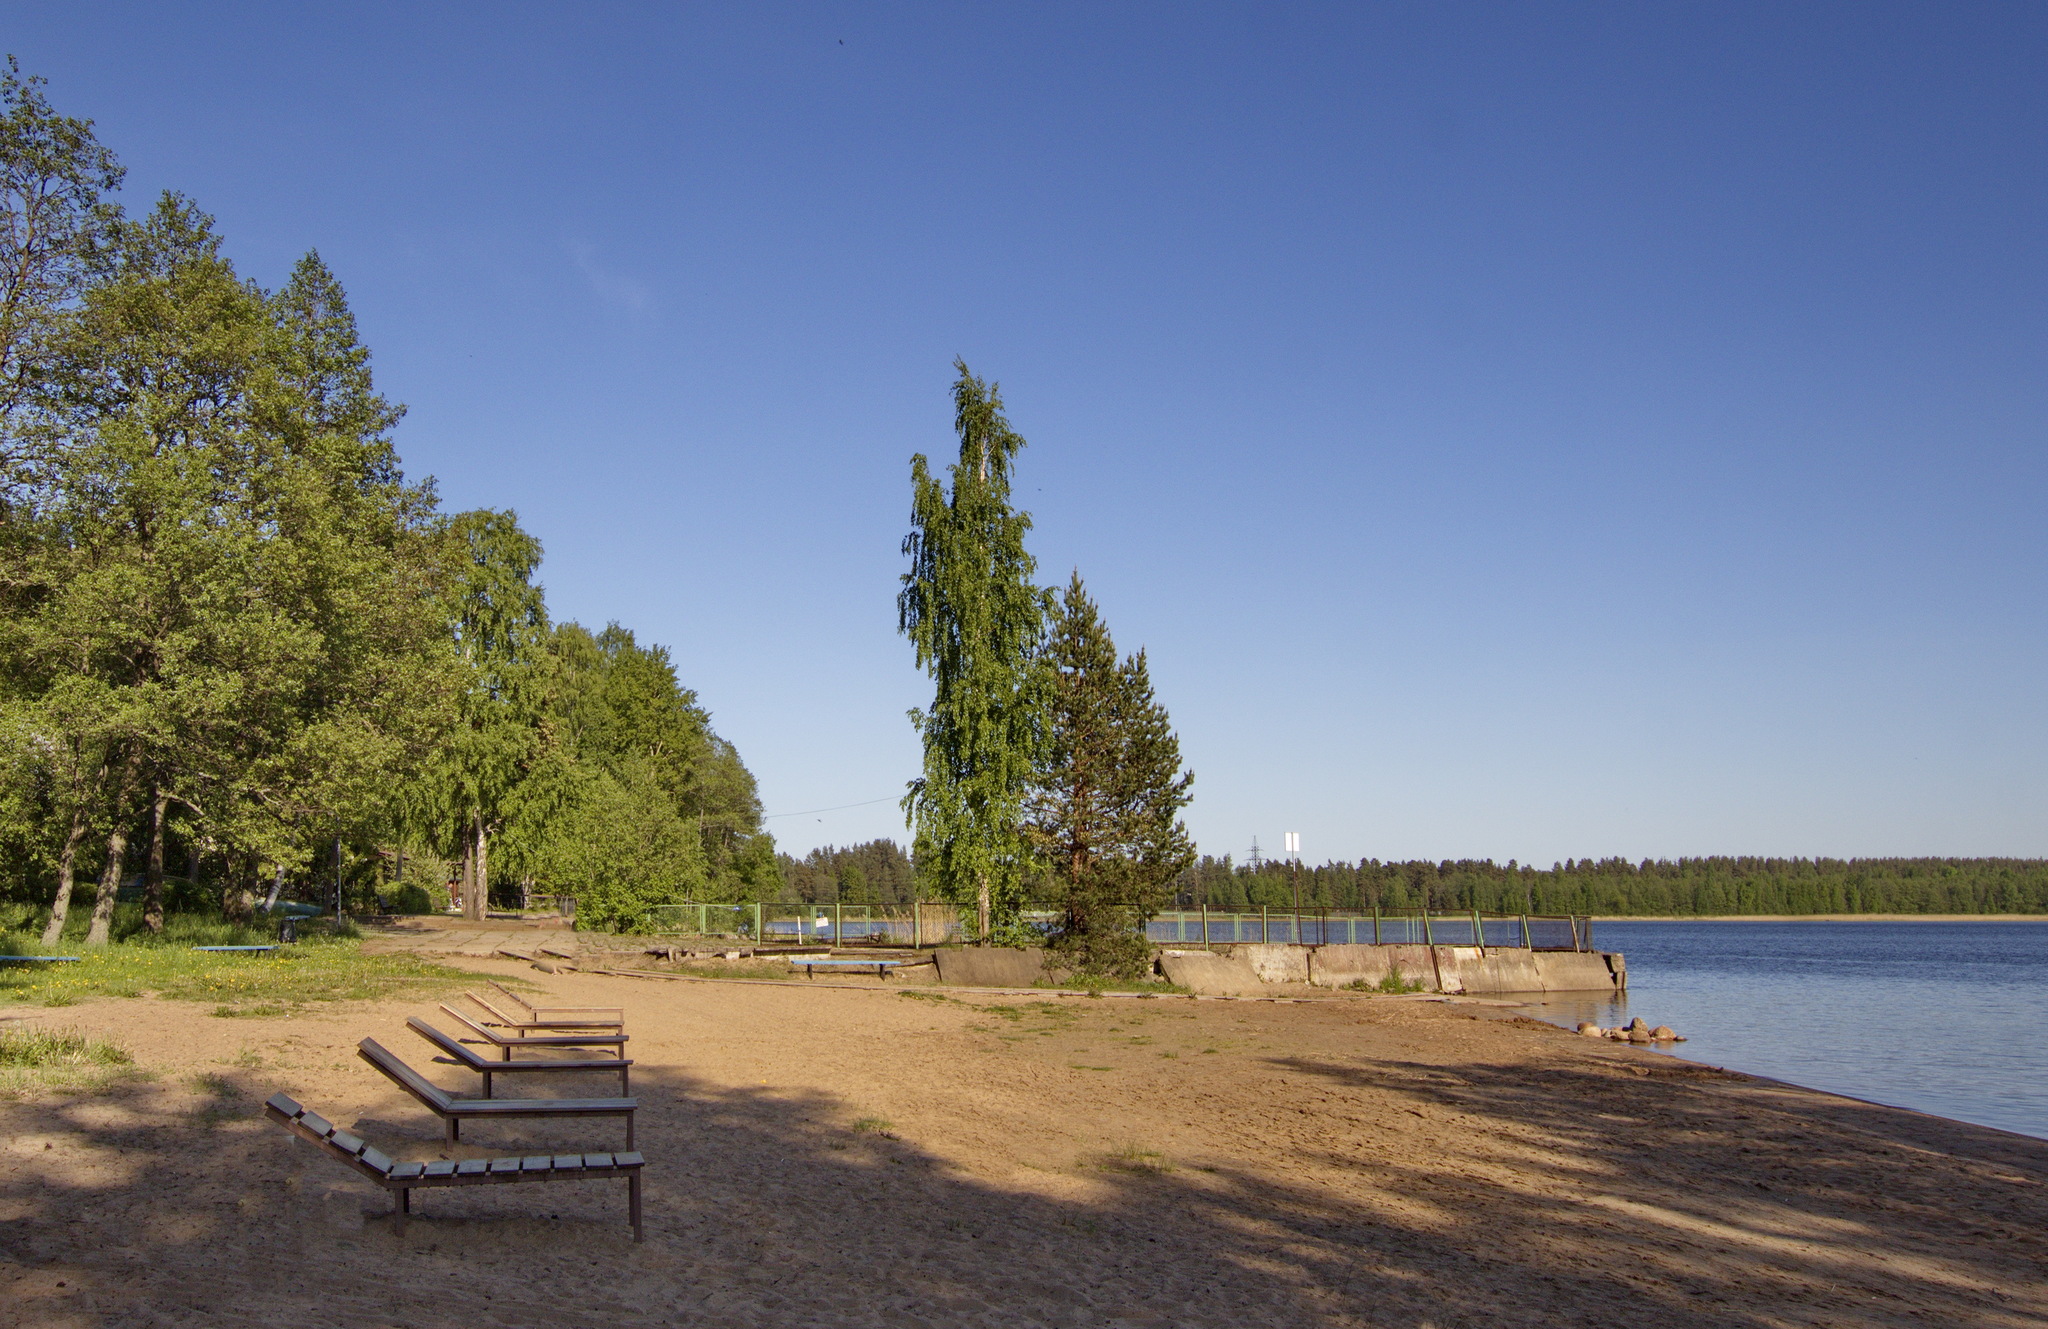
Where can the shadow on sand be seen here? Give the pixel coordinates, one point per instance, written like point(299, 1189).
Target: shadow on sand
point(770, 1210)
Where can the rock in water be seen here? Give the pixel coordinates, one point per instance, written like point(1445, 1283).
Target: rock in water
point(1638, 1035)
point(1588, 1029)
point(1638, 1023)
point(1664, 1033)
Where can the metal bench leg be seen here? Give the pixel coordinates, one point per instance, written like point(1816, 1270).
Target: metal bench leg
point(633, 1199)
point(487, 1084)
point(629, 1131)
point(401, 1205)
point(625, 1082)
point(454, 1129)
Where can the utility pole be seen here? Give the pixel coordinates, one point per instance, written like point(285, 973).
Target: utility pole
point(1294, 870)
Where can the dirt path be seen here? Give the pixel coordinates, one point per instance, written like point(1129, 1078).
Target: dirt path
point(834, 1157)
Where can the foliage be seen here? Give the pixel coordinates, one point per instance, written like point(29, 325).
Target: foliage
point(1620, 887)
point(974, 617)
point(1104, 806)
point(878, 870)
point(232, 630)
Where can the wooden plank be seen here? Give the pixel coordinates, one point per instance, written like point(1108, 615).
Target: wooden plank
point(568, 1162)
point(440, 1168)
point(597, 1160)
point(377, 1160)
point(472, 1167)
point(504, 1165)
point(537, 1163)
point(406, 1171)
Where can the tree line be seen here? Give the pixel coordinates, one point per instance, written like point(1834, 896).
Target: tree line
point(236, 638)
point(1619, 886)
point(883, 874)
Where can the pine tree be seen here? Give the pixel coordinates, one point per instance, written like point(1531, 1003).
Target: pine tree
point(1104, 809)
point(969, 607)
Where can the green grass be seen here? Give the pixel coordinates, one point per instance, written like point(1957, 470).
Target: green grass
point(1133, 1158)
point(35, 1058)
point(318, 968)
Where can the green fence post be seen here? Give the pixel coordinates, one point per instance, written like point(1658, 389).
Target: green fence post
point(1375, 925)
point(1262, 925)
point(1478, 933)
point(1205, 920)
point(759, 936)
point(1428, 937)
point(1527, 944)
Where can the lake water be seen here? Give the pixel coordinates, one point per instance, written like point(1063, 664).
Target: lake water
point(1949, 1018)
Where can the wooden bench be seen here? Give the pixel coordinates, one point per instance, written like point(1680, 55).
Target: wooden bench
point(592, 1017)
point(401, 1179)
point(811, 966)
point(455, 1110)
point(484, 1066)
point(616, 1042)
point(610, 1020)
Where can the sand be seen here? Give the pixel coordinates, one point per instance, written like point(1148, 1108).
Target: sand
point(824, 1156)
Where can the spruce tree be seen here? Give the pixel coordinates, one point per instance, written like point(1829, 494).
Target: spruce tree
point(969, 607)
point(1104, 808)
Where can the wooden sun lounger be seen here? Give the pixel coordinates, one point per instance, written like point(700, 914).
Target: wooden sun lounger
point(616, 1042)
point(402, 1178)
point(455, 1110)
point(484, 1066)
point(593, 1016)
point(518, 1025)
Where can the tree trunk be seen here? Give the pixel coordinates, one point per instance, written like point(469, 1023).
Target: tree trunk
point(238, 900)
point(981, 907)
point(60, 909)
point(478, 884)
point(110, 884)
point(153, 873)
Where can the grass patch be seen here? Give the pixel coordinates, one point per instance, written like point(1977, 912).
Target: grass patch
point(874, 1126)
point(35, 1058)
point(1133, 1158)
point(318, 968)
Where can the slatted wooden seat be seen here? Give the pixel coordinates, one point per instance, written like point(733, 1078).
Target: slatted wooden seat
point(611, 1020)
point(401, 1179)
point(591, 1017)
point(455, 1110)
point(464, 1055)
point(506, 1042)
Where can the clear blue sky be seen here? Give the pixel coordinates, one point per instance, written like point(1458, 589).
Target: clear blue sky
point(1514, 431)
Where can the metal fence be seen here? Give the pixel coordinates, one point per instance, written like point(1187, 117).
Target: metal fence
point(929, 923)
point(1334, 927)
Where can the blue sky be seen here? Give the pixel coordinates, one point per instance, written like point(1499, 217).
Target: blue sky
point(1513, 431)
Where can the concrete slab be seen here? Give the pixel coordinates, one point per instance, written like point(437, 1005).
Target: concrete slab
point(1210, 975)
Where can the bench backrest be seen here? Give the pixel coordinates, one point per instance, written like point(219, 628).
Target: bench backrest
point(467, 1056)
point(350, 1149)
point(480, 1031)
point(404, 1076)
point(496, 1014)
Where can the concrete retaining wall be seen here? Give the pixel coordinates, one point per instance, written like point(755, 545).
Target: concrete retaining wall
point(1452, 969)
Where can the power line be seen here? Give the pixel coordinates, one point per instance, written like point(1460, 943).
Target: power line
point(888, 798)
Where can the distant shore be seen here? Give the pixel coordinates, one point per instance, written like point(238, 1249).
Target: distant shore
point(1820, 918)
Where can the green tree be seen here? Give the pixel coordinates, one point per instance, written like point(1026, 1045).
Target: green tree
point(498, 619)
point(971, 611)
point(1104, 809)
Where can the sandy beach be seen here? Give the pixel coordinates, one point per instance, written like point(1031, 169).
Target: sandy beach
point(825, 1156)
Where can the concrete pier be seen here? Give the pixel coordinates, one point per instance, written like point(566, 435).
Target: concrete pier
point(1242, 968)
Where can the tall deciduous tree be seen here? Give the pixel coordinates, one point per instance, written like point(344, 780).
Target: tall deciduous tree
point(1104, 808)
point(969, 607)
point(500, 628)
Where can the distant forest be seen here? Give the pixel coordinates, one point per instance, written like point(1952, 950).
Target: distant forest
point(881, 872)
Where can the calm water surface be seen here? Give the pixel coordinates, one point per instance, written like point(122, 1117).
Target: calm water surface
point(1949, 1018)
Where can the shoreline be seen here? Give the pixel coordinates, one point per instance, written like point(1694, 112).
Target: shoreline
point(1335, 1163)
